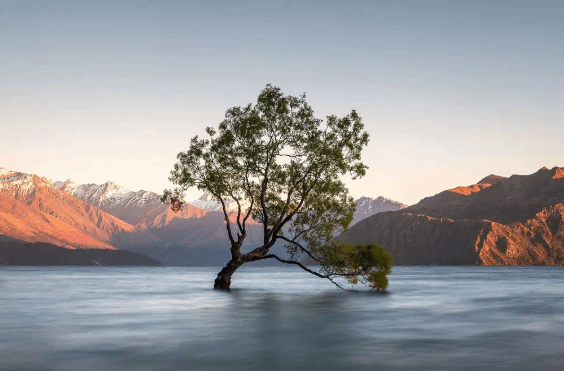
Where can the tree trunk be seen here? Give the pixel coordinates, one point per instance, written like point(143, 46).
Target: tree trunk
point(223, 280)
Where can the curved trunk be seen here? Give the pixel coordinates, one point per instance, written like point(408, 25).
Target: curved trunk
point(223, 280)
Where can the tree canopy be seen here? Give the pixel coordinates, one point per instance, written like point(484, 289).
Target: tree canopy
point(283, 168)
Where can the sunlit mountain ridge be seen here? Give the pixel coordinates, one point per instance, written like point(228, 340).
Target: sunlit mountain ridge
point(107, 216)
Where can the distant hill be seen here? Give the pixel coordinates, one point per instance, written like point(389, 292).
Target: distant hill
point(517, 198)
point(18, 253)
point(515, 221)
point(34, 210)
point(108, 216)
point(191, 236)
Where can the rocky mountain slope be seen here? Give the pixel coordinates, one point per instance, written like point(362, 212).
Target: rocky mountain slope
point(516, 221)
point(517, 198)
point(25, 223)
point(32, 209)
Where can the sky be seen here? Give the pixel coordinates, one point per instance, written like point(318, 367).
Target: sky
point(449, 91)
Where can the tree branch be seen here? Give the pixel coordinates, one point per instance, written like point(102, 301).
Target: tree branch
point(263, 204)
point(250, 193)
point(281, 220)
point(227, 222)
point(273, 256)
point(301, 248)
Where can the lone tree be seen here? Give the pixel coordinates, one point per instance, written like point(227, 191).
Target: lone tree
point(287, 164)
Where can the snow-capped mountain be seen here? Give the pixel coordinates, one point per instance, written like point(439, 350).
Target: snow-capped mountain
point(115, 200)
point(20, 185)
point(32, 209)
point(108, 216)
point(367, 206)
point(208, 202)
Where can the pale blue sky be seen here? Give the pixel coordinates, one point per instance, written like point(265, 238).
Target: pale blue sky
point(449, 91)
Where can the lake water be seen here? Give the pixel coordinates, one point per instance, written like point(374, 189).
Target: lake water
point(280, 318)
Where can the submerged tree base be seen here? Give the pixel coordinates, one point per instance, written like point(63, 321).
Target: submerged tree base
point(223, 280)
point(221, 283)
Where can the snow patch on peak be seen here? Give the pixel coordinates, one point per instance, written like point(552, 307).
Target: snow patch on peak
point(20, 184)
point(207, 196)
point(380, 200)
point(385, 199)
point(67, 186)
point(5, 172)
point(113, 190)
point(368, 206)
point(207, 202)
point(94, 193)
point(9, 175)
point(120, 202)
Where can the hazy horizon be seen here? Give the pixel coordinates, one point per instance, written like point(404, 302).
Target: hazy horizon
point(449, 93)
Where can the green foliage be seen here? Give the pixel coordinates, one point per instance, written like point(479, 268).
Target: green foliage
point(369, 264)
point(288, 164)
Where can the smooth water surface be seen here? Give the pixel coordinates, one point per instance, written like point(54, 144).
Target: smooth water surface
point(280, 318)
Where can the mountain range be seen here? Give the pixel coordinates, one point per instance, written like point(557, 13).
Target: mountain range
point(498, 221)
point(37, 212)
point(517, 220)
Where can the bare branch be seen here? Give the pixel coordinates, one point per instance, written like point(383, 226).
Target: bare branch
point(273, 256)
point(227, 222)
point(263, 204)
point(250, 193)
point(301, 248)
